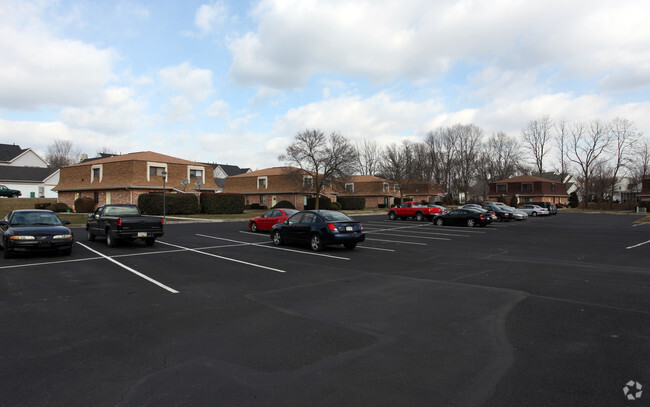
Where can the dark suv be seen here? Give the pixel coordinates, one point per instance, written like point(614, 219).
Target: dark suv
point(551, 208)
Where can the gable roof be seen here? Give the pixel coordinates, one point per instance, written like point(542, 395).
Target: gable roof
point(139, 156)
point(10, 151)
point(365, 178)
point(526, 178)
point(269, 171)
point(25, 174)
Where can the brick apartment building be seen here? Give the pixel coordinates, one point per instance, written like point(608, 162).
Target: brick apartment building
point(644, 195)
point(123, 178)
point(529, 189)
point(431, 192)
point(376, 191)
point(269, 186)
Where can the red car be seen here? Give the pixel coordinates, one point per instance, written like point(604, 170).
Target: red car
point(269, 218)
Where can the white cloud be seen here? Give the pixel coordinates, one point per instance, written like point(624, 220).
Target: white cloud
point(42, 70)
point(385, 40)
point(218, 108)
point(195, 84)
point(209, 15)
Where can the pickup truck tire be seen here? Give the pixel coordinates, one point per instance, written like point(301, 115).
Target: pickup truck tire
point(392, 216)
point(91, 235)
point(150, 241)
point(419, 216)
point(110, 240)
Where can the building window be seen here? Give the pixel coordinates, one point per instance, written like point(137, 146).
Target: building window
point(248, 201)
point(385, 187)
point(156, 170)
point(96, 196)
point(349, 187)
point(262, 199)
point(262, 182)
point(96, 173)
point(527, 187)
point(307, 182)
point(196, 173)
point(553, 187)
point(502, 188)
point(395, 188)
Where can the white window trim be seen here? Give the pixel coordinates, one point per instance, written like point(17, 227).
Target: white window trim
point(196, 167)
point(154, 164)
point(385, 187)
point(92, 172)
point(266, 182)
point(351, 189)
point(308, 177)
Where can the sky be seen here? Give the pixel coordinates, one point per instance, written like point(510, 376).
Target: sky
point(233, 82)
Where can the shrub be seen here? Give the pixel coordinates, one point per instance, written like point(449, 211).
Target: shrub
point(175, 204)
point(574, 202)
point(46, 205)
point(257, 206)
point(84, 204)
point(397, 202)
point(60, 207)
point(352, 203)
point(222, 203)
point(449, 199)
point(335, 206)
point(323, 203)
point(381, 206)
point(514, 201)
point(284, 205)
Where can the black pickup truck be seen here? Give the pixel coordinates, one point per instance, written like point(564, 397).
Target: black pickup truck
point(123, 222)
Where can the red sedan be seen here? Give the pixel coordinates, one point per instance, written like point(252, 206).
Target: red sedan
point(269, 218)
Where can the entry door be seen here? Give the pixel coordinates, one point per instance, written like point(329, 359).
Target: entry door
point(274, 201)
point(108, 197)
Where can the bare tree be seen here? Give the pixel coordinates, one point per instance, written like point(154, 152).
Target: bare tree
point(469, 142)
point(502, 156)
point(639, 166)
point(586, 144)
point(368, 156)
point(561, 140)
point(624, 134)
point(62, 153)
point(536, 139)
point(400, 164)
point(325, 159)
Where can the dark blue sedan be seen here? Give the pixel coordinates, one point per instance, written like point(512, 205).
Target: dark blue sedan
point(28, 230)
point(319, 228)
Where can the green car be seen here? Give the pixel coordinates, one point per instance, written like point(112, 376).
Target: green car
point(9, 193)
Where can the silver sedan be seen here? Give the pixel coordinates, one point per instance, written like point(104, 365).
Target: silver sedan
point(534, 210)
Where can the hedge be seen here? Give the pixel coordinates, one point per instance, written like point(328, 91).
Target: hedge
point(175, 204)
point(60, 207)
point(323, 203)
point(222, 203)
point(351, 203)
point(84, 204)
point(284, 205)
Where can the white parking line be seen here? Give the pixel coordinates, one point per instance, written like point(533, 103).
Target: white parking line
point(224, 258)
point(137, 273)
point(277, 248)
point(395, 241)
point(637, 245)
point(416, 237)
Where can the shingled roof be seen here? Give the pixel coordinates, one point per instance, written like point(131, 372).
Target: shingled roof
point(10, 151)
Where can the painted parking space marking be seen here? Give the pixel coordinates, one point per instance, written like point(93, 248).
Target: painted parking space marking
point(637, 245)
point(223, 258)
point(395, 241)
point(276, 247)
point(124, 266)
point(416, 237)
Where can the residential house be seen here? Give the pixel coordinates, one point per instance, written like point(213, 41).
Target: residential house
point(644, 195)
point(26, 171)
point(223, 171)
point(269, 186)
point(376, 191)
point(529, 188)
point(424, 191)
point(123, 178)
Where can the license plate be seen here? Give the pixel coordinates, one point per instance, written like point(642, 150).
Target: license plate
point(349, 229)
point(142, 234)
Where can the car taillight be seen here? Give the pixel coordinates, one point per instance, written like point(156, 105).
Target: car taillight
point(332, 227)
point(119, 222)
point(162, 221)
point(360, 226)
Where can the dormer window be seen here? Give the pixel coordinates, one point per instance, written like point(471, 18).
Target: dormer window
point(307, 182)
point(262, 182)
point(349, 187)
point(96, 173)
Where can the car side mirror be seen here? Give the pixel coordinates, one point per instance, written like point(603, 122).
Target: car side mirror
point(91, 215)
point(4, 223)
point(66, 222)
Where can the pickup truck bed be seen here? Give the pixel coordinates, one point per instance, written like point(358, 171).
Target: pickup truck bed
point(123, 222)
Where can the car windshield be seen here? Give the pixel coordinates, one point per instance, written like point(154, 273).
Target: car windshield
point(35, 218)
point(336, 216)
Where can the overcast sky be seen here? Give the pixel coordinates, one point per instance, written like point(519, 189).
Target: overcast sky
point(233, 81)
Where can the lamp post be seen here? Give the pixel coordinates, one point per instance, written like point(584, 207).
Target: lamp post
point(164, 175)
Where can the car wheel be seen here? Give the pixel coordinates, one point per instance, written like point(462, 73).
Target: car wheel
point(254, 227)
point(91, 235)
point(110, 240)
point(350, 246)
point(392, 216)
point(419, 217)
point(150, 241)
point(316, 243)
point(15, 196)
point(440, 222)
point(277, 238)
point(534, 213)
point(471, 222)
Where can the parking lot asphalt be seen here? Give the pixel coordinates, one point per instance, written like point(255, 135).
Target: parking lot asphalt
point(547, 311)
